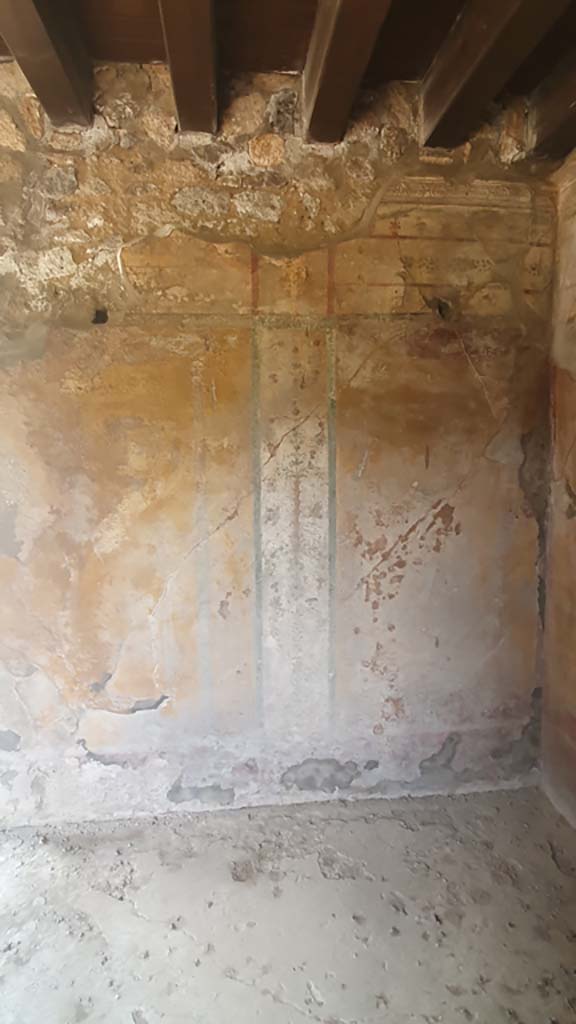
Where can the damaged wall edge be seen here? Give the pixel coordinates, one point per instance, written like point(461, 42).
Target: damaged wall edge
point(559, 720)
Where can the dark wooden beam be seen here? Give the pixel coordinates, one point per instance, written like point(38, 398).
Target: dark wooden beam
point(552, 113)
point(487, 43)
point(43, 38)
point(343, 38)
point(189, 37)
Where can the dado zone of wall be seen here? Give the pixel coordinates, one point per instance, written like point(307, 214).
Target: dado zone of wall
point(272, 457)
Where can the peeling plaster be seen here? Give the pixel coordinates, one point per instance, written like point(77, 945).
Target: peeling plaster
point(9, 740)
point(326, 775)
point(522, 755)
point(214, 795)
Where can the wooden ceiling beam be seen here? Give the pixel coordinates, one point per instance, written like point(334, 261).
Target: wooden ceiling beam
point(487, 43)
point(190, 40)
point(552, 113)
point(47, 45)
point(344, 35)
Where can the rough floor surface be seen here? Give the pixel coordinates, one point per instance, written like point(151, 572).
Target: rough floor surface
point(437, 909)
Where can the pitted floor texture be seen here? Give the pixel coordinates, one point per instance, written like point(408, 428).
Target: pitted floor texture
point(447, 909)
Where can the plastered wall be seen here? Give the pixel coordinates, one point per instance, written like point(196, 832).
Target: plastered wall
point(272, 456)
point(559, 746)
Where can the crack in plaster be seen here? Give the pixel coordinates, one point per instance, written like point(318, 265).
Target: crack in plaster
point(481, 380)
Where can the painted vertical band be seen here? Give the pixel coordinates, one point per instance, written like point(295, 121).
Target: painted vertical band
point(257, 522)
point(332, 525)
point(202, 567)
point(330, 279)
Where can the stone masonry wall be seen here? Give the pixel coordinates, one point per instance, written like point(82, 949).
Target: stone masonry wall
point(272, 456)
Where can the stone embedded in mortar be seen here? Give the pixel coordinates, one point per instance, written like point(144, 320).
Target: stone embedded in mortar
point(59, 181)
point(32, 115)
point(69, 138)
point(259, 205)
point(266, 150)
point(281, 111)
point(57, 262)
point(10, 135)
point(205, 206)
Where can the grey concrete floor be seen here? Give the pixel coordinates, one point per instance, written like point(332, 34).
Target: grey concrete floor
point(437, 909)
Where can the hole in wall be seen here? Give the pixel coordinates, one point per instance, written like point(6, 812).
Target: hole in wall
point(100, 315)
point(443, 308)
